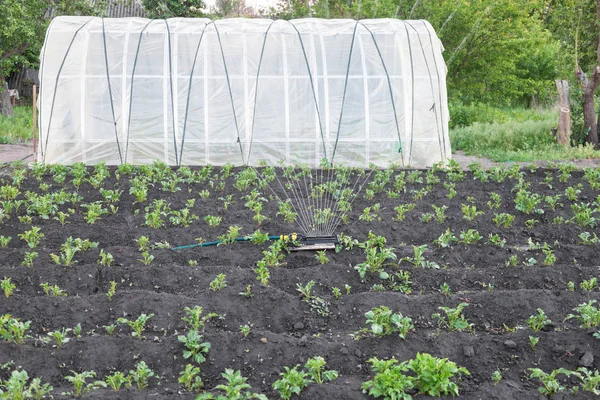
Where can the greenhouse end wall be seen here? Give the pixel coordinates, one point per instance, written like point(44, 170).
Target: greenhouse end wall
point(242, 91)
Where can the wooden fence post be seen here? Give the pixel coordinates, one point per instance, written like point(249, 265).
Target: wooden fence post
point(563, 134)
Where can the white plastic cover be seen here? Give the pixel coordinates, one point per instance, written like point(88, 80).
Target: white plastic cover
point(196, 91)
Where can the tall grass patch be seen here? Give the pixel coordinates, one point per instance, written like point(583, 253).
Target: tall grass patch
point(18, 129)
point(529, 140)
point(462, 115)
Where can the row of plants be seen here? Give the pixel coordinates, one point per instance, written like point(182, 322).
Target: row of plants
point(380, 321)
point(387, 181)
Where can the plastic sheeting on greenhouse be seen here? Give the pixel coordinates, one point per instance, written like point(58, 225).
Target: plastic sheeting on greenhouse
point(243, 91)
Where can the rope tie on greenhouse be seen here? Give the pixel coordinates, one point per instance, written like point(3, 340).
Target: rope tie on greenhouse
point(439, 86)
point(110, 95)
point(187, 103)
point(412, 79)
point(262, 51)
point(62, 64)
point(389, 82)
point(169, 47)
point(237, 128)
point(317, 202)
point(312, 86)
point(337, 136)
point(137, 52)
point(171, 90)
point(432, 90)
point(235, 120)
point(41, 86)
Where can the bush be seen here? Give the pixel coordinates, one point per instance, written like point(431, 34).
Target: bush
point(510, 136)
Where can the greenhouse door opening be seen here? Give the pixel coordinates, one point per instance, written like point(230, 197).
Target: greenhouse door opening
point(243, 91)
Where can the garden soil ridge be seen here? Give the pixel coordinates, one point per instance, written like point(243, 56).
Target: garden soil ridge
point(277, 313)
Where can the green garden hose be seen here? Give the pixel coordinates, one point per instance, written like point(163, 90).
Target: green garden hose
point(293, 236)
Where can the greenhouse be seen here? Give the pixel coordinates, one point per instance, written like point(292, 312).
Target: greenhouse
point(242, 91)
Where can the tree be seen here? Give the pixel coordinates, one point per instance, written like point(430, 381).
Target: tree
point(223, 8)
point(22, 27)
point(174, 8)
point(589, 86)
point(232, 8)
point(497, 52)
point(575, 24)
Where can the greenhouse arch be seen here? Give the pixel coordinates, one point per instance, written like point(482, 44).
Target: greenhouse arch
point(243, 91)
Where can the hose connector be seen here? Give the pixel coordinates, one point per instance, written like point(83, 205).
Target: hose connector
point(292, 236)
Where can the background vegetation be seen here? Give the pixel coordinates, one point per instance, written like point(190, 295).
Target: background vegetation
point(18, 129)
point(503, 56)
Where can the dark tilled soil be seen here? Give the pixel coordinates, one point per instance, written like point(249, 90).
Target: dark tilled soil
point(500, 298)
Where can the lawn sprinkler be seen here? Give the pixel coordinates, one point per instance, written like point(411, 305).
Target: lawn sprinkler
point(316, 243)
point(300, 242)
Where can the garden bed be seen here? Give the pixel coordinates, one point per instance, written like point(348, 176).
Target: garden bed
point(502, 283)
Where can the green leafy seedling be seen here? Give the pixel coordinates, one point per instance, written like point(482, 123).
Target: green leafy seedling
point(141, 375)
point(194, 318)
point(390, 380)
point(7, 286)
point(196, 349)
point(79, 381)
point(434, 375)
point(292, 381)
point(317, 372)
point(60, 336)
point(236, 388)
point(453, 319)
point(538, 321)
point(587, 314)
point(190, 378)
point(118, 379)
point(138, 325)
point(551, 385)
point(32, 236)
point(383, 322)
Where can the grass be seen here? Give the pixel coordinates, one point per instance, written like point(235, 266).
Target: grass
point(18, 129)
point(517, 140)
point(465, 115)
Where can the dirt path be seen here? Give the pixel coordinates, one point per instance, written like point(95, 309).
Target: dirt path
point(464, 160)
point(15, 152)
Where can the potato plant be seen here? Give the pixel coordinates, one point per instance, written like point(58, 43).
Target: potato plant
point(18, 386)
point(234, 388)
point(433, 377)
point(138, 325)
point(382, 321)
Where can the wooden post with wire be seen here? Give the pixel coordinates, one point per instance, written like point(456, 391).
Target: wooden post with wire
point(563, 134)
point(35, 133)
